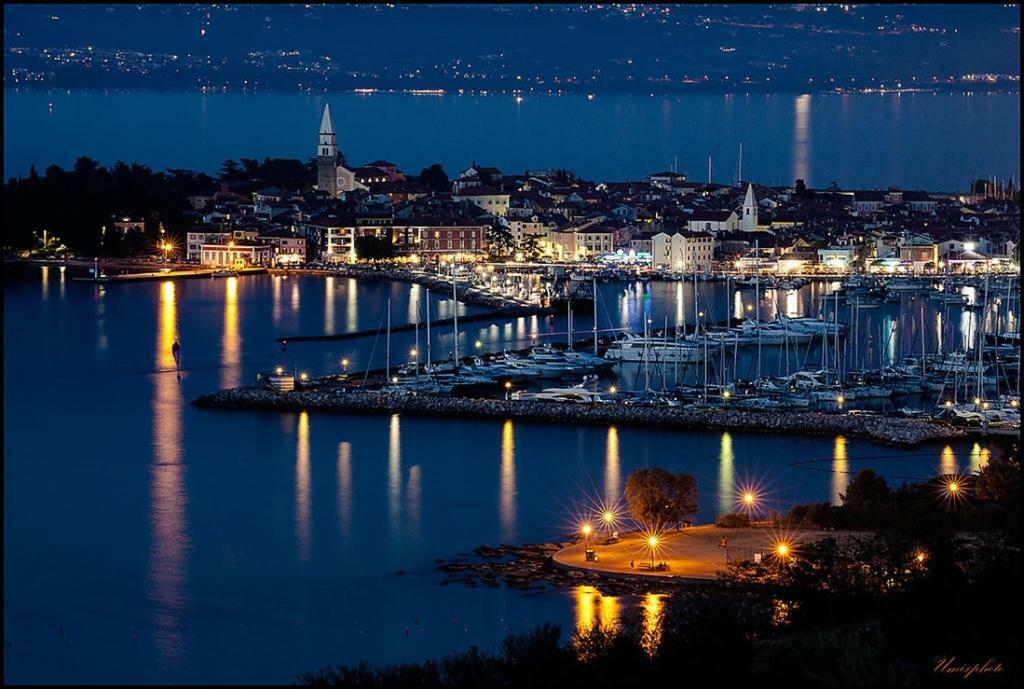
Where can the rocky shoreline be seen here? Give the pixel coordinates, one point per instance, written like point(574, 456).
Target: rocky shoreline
point(531, 567)
point(896, 432)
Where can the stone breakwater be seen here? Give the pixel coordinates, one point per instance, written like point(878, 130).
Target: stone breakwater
point(889, 431)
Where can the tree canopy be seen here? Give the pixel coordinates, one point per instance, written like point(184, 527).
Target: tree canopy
point(657, 497)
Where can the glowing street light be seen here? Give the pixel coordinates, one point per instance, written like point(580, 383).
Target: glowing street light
point(612, 390)
point(652, 543)
point(585, 530)
point(508, 389)
point(748, 499)
point(303, 376)
point(344, 365)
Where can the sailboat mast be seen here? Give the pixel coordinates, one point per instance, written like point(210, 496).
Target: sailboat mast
point(757, 303)
point(429, 359)
point(568, 303)
point(455, 321)
point(387, 357)
point(594, 286)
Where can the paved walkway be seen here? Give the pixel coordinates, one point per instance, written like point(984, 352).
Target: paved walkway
point(692, 553)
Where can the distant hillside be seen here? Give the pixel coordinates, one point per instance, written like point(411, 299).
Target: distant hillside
point(564, 47)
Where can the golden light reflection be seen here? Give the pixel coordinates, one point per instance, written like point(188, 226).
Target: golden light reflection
point(612, 470)
point(328, 306)
point(414, 499)
point(802, 138)
point(507, 497)
point(840, 470)
point(276, 299)
point(394, 473)
point(231, 340)
point(947, 461)
point(295, 295)
point(415, 295)
point(169, 529)
point(595, 611)
point(726, 475)
point(345, 488)
point(653, 610)
point(680, 312)
point(46, 282)
point(352, 305)
point(979, 457)
point(102, 342)
point(737, 304)
point(303, 495)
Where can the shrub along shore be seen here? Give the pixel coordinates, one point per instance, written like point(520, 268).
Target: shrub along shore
point(896, 432)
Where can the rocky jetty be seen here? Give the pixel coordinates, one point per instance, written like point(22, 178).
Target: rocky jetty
point(897, 432)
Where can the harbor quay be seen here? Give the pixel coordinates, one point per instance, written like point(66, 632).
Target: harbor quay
point(896, 432)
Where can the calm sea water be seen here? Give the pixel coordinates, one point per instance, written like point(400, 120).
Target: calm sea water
point(146, 540)
point(933, 141)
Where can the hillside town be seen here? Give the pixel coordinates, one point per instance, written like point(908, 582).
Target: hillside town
point(667, 222)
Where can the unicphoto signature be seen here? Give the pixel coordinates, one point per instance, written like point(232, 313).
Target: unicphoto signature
point(951, 665)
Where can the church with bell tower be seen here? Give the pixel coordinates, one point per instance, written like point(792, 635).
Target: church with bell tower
point(332, 175)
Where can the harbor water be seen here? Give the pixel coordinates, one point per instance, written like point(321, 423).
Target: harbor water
point(146, 540)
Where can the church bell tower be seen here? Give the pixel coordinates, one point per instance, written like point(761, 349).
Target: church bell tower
point(327, 156)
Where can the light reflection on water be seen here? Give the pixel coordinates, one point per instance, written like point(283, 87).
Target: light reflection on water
point(231, 341)
point(169, 541)
point(840, 470)
point(345, 489)
point(507, 491)
point(612, 475)
point(303, 490)
point(726, 476)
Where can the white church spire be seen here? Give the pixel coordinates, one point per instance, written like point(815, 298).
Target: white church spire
point(748, 215)
point(326, 126)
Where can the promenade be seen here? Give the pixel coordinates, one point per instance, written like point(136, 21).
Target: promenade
point(695, 552)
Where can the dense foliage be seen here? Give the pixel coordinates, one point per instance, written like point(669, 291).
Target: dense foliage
point(75, 205)
point(658, 498)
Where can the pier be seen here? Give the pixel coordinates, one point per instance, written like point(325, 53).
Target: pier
point(896, 432)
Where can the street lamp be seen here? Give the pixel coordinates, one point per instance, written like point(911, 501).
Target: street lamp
point(585, 530)
point(748, 499)
point(508, 388)
point(344, 366)
point(652, 543)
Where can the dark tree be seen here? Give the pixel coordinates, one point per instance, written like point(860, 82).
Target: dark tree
point(999, 480)
point(657, 497)
point(434, 178)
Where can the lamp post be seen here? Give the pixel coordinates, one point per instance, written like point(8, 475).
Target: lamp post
point(344, 366)
point(652, 543)
point(508, 389)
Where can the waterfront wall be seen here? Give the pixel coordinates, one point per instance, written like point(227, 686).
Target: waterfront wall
point(890, 431)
